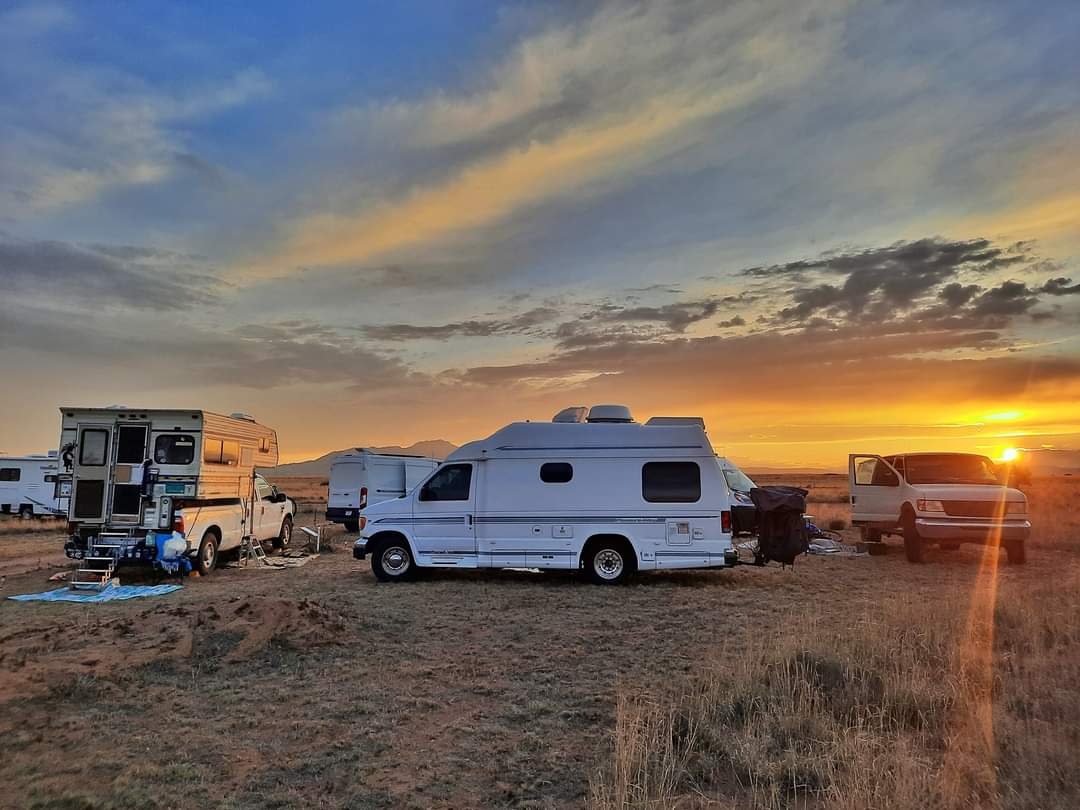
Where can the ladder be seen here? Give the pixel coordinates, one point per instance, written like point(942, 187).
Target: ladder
point(251, 549)
point(97, 570)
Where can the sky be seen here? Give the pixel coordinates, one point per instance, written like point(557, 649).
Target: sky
point(826, 227)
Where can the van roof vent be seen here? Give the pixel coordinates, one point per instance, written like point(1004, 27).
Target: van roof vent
point(677, 420)
point(247, 417)
point(574, 414)
point(609, 413)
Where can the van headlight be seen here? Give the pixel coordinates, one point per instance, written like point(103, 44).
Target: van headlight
point(927, 505)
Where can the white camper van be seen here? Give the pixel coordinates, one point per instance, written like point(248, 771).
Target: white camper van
point(603, 494)
point(137, 475)
point(361, 478)
point(27, 486)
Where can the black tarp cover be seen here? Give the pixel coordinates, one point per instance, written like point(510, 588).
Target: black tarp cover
point(782, 534)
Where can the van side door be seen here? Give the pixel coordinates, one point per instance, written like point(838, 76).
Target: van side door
point(443, 515)
point(875, 489)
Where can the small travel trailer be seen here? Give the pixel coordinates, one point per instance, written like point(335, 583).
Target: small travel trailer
point(27, 486)
point(361, 478)
point(596, 492)
point(137, 474)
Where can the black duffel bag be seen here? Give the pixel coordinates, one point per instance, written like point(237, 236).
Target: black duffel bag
point(782, 534)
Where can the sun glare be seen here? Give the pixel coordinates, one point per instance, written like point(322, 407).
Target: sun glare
point(1003, 416)
point(1010, 454)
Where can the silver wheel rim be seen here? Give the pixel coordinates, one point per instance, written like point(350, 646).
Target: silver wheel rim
point(608, 564)
point(286, 534)
point(208, 553)
point(395, 561)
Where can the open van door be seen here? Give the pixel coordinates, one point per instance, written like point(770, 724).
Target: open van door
point(875, 489)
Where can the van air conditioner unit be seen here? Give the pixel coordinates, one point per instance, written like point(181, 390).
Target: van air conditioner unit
point(619, 414)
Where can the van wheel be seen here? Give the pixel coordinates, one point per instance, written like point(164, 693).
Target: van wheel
point(913, 545)
point(608, 563)
point(393, 562)
point(207, 556)
point(352, 525)
point(285, 535)
point(1017, 551)
point(26, 512)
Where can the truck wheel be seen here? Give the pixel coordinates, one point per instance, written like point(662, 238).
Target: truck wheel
point(608, 563)
point(1017, 551)
point(285, 535)
point(206, 559)
point(352, 525)
point(26, 512)
point(870, 535)
point(913, 545)
point(392, 561)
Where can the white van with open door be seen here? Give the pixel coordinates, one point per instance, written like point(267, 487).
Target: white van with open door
point(361, 478)
point(942, 498)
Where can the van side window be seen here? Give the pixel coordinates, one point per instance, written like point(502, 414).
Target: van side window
point(450, 483)
point(875, 473)
point(556, 472)
point(671, 482)
point(174, 449)
point(93, 447)
point(263, 490)
point(10, 474)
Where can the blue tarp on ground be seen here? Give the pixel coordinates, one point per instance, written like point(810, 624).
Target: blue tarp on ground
point(109, 594)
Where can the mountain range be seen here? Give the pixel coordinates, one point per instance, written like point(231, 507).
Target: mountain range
point(432, 448)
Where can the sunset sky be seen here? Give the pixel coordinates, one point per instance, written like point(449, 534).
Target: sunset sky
point(848, 227)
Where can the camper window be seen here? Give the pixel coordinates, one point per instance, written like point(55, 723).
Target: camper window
point(556, 472)
point(93, 446)
point(671, 482)
point(450, 483)
point(10, 474)
point(174, 449)
point(216, 451)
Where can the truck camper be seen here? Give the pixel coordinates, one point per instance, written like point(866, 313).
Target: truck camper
point(592, 490)
point(140, 477)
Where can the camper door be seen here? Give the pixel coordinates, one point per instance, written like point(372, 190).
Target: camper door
point(91, 471)
point(443, 515)
point(131, 452)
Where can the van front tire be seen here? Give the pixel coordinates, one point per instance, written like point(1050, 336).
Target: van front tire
point(913, 544)
point(284, 537)
point(392, 561)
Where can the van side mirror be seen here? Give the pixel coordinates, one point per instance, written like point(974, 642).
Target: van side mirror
point(279, 497)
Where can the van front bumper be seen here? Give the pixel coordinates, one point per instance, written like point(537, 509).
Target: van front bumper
point(972, 530)
point(359, 549)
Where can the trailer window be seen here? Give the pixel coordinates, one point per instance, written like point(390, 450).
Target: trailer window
point(671, 482)
point(556, 472)
point(450, 483)
point(174, 449)
point(10, 474)
point(93, 447)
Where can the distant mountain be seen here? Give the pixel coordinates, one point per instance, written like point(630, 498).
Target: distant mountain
point(434, 448)
point(1047, 461)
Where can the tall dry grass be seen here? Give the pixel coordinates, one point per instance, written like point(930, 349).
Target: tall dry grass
point(967, 700)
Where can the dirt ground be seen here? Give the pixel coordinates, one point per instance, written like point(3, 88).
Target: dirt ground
point(319, 687)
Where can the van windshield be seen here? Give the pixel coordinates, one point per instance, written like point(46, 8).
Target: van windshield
point(950, 469)
point(738, 480)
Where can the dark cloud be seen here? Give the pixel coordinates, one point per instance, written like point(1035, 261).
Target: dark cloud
point(104, 275)
point(525, 322)
point(730, 322)
point(1060, 286)
point(1008, 298)
point(675, 317)
point(957, 294)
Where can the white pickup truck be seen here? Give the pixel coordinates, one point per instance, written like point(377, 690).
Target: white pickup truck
point(942, 498)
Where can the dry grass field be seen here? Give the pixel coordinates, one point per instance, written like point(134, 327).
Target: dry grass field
point(843, 682)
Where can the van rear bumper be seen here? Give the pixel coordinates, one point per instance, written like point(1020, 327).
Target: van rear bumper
point(340, 514)
point(972, 530)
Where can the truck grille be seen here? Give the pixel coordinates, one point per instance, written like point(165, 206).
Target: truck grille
point(982, 509)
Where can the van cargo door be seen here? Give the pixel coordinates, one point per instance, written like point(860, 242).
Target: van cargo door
point(90, 471)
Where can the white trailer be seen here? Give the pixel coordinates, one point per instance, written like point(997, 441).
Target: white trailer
point(361, 478)
point(27, 486)
point(138, 475)
point(605, 495)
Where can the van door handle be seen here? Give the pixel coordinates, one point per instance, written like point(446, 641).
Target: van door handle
point(469, 517)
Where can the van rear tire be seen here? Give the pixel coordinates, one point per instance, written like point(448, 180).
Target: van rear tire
point(206, 559)
point(352, 525)
point(1016, 551)
point(609, 562)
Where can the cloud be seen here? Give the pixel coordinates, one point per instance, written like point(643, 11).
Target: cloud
point(104, 275)
point(1060, 286)
point(631, 85)
point(523, 323)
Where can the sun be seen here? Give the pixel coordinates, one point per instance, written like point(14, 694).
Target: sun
point(1010, 454)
